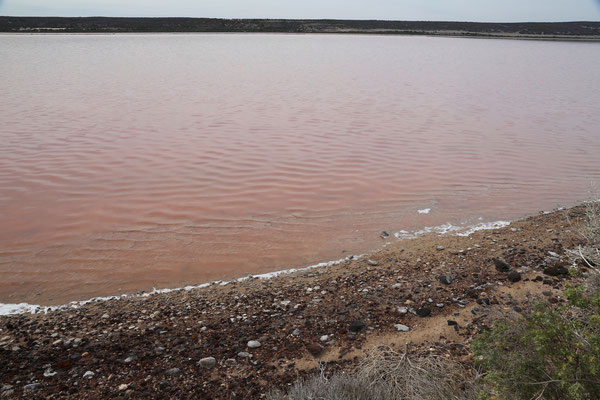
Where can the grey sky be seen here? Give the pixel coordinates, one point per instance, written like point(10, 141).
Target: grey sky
point(448, 10)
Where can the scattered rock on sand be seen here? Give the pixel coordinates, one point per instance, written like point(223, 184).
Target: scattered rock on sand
point(401, 328)
point(514, 276)
point(88, 375)
point(357, 326)
point(555, 270)
point(207, 362)
point(501, 265)
point(254, 344)
point(424, 312)
point(372, 263)
point(31, 387)
point(445, 279)
point(173, 371)
point(315, 349)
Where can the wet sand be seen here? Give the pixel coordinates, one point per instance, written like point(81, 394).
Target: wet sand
point(151, 347)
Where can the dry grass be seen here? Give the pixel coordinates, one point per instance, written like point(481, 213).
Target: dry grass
point(388, 375)
point(589, 252)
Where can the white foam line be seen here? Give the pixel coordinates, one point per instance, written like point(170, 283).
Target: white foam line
point(21, 308)
point(424, 211)
point(449, 228)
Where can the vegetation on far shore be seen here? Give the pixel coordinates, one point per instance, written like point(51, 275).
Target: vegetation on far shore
point(550, 30)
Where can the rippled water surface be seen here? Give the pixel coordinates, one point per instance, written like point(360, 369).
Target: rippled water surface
point(136, 161)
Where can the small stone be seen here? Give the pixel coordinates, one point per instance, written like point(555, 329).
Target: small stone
point(88, 375)
point(445, 279)
point(49, 373)
point(357, 326)
point(207, 362)
point(514, 276)
point(501, 265)
point(396, 285)
point(372, 263)
point(384, 234)
point(105, 316)
point(31, 387)
point(401, 328)
point(424, 312)
point(123, 386)
point(243, 354)
point(403, 310)
point(324, 338)
point(172, 371)
point(129, 359)
point(315, 349)
point(440, 248)
point(555, 271)
point(254, 344)
point(296, 332)
point(452, 323)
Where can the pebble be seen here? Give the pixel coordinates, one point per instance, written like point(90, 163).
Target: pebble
point(403, 310)
point(372, 263)
point(440, 248)
point(105, 316)
point(501, 265)
point(173, 371)
point(243, 354)
point(207, 362)
point(129, 359)
point(88, 375)
point(445, 279)
point(31, 387)
point(123, 386)
point(423, 312)
point(357, 326)
point(324, 338)
point(396, 285)
point(296, 332)
point(401, 328)
point(315, 349)
point(254, 344)
point(514, 276)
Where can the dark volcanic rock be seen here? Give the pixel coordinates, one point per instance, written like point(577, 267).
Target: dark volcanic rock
point(357, 326)
point(514, 276)
point(501, 265)
point(424, 312)
point(445, 279)
point(555, 270)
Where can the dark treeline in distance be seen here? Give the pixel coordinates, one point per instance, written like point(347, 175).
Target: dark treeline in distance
point(576, 30)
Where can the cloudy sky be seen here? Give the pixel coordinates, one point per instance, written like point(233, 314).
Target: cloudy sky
point(449, 10)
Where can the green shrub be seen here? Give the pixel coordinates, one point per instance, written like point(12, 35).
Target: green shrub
point(546, 354)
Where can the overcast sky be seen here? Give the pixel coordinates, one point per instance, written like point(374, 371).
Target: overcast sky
point(448, 10)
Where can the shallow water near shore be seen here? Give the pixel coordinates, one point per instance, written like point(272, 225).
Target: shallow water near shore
point(129, 162)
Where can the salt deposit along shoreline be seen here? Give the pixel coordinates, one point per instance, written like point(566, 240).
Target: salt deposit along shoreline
point(240, 339)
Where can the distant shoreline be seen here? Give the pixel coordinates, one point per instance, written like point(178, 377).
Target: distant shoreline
point(567, 31)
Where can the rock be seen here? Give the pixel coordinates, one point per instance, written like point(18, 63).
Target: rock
point(514, 276)
point(173, 371)
point(254, 344)
point(401, 328)
point(324, 338)
point(243, 354)
point(207, 362)
point(553, 254)
point(440, 248)
point(315, 349)
point(159, 350)
point(49, 373)
point(129, 359)
point(452, 322)
point(123, 386)
point(424, 312)
point(555, 271)
point(31, 387)
point(372, 263)
point(357, 326)
point(445, 279)
point(105, 316)
point(396, 285)
point(501, 265)
point(384, 234)
point(296, 332)
point(88, 375)
point(403, 310)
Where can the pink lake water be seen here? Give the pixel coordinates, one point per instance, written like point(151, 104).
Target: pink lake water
point(129, 162)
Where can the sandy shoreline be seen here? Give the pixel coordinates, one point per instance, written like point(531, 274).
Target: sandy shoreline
point(151, 347)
